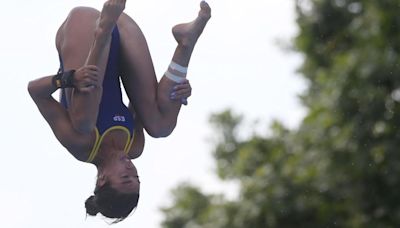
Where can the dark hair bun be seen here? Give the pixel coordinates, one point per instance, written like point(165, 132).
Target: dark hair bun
point(91, 206)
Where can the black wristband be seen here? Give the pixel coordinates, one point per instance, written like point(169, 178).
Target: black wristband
point(64, 79)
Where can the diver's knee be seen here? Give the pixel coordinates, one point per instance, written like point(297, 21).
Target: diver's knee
point(79, 16)
point(83, 11)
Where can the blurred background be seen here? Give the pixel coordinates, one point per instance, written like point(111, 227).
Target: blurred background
point(293, 121)
point(340, 166)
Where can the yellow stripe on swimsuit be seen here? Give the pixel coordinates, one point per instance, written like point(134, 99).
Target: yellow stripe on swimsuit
point(99, 140)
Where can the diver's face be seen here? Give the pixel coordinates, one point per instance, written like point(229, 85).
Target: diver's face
point(123, 175)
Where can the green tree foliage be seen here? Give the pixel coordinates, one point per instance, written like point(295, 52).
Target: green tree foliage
point(341, 167)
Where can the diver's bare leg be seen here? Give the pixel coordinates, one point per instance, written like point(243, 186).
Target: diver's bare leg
point(152, 100)
point(84, 39)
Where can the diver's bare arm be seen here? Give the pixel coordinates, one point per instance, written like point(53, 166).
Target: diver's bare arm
point(56, 115)
point(42, 88)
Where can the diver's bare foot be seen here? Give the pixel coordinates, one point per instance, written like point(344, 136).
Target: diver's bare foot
point(110, 13)
point(187, 34)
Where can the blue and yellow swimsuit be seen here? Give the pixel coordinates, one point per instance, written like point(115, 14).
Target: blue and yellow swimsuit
point(113, 113)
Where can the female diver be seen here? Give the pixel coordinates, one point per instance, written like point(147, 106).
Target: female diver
point(97, 50)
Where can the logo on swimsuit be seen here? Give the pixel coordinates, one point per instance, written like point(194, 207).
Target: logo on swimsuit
point(118, 118)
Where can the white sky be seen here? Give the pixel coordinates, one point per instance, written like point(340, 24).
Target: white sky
point(236, 64)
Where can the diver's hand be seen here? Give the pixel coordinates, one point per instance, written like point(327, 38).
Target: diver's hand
point(110, 13)
point(181, 92)
point(86, 78)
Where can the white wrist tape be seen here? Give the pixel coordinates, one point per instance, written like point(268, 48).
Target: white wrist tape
point(177, 67)
point(176, 72)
